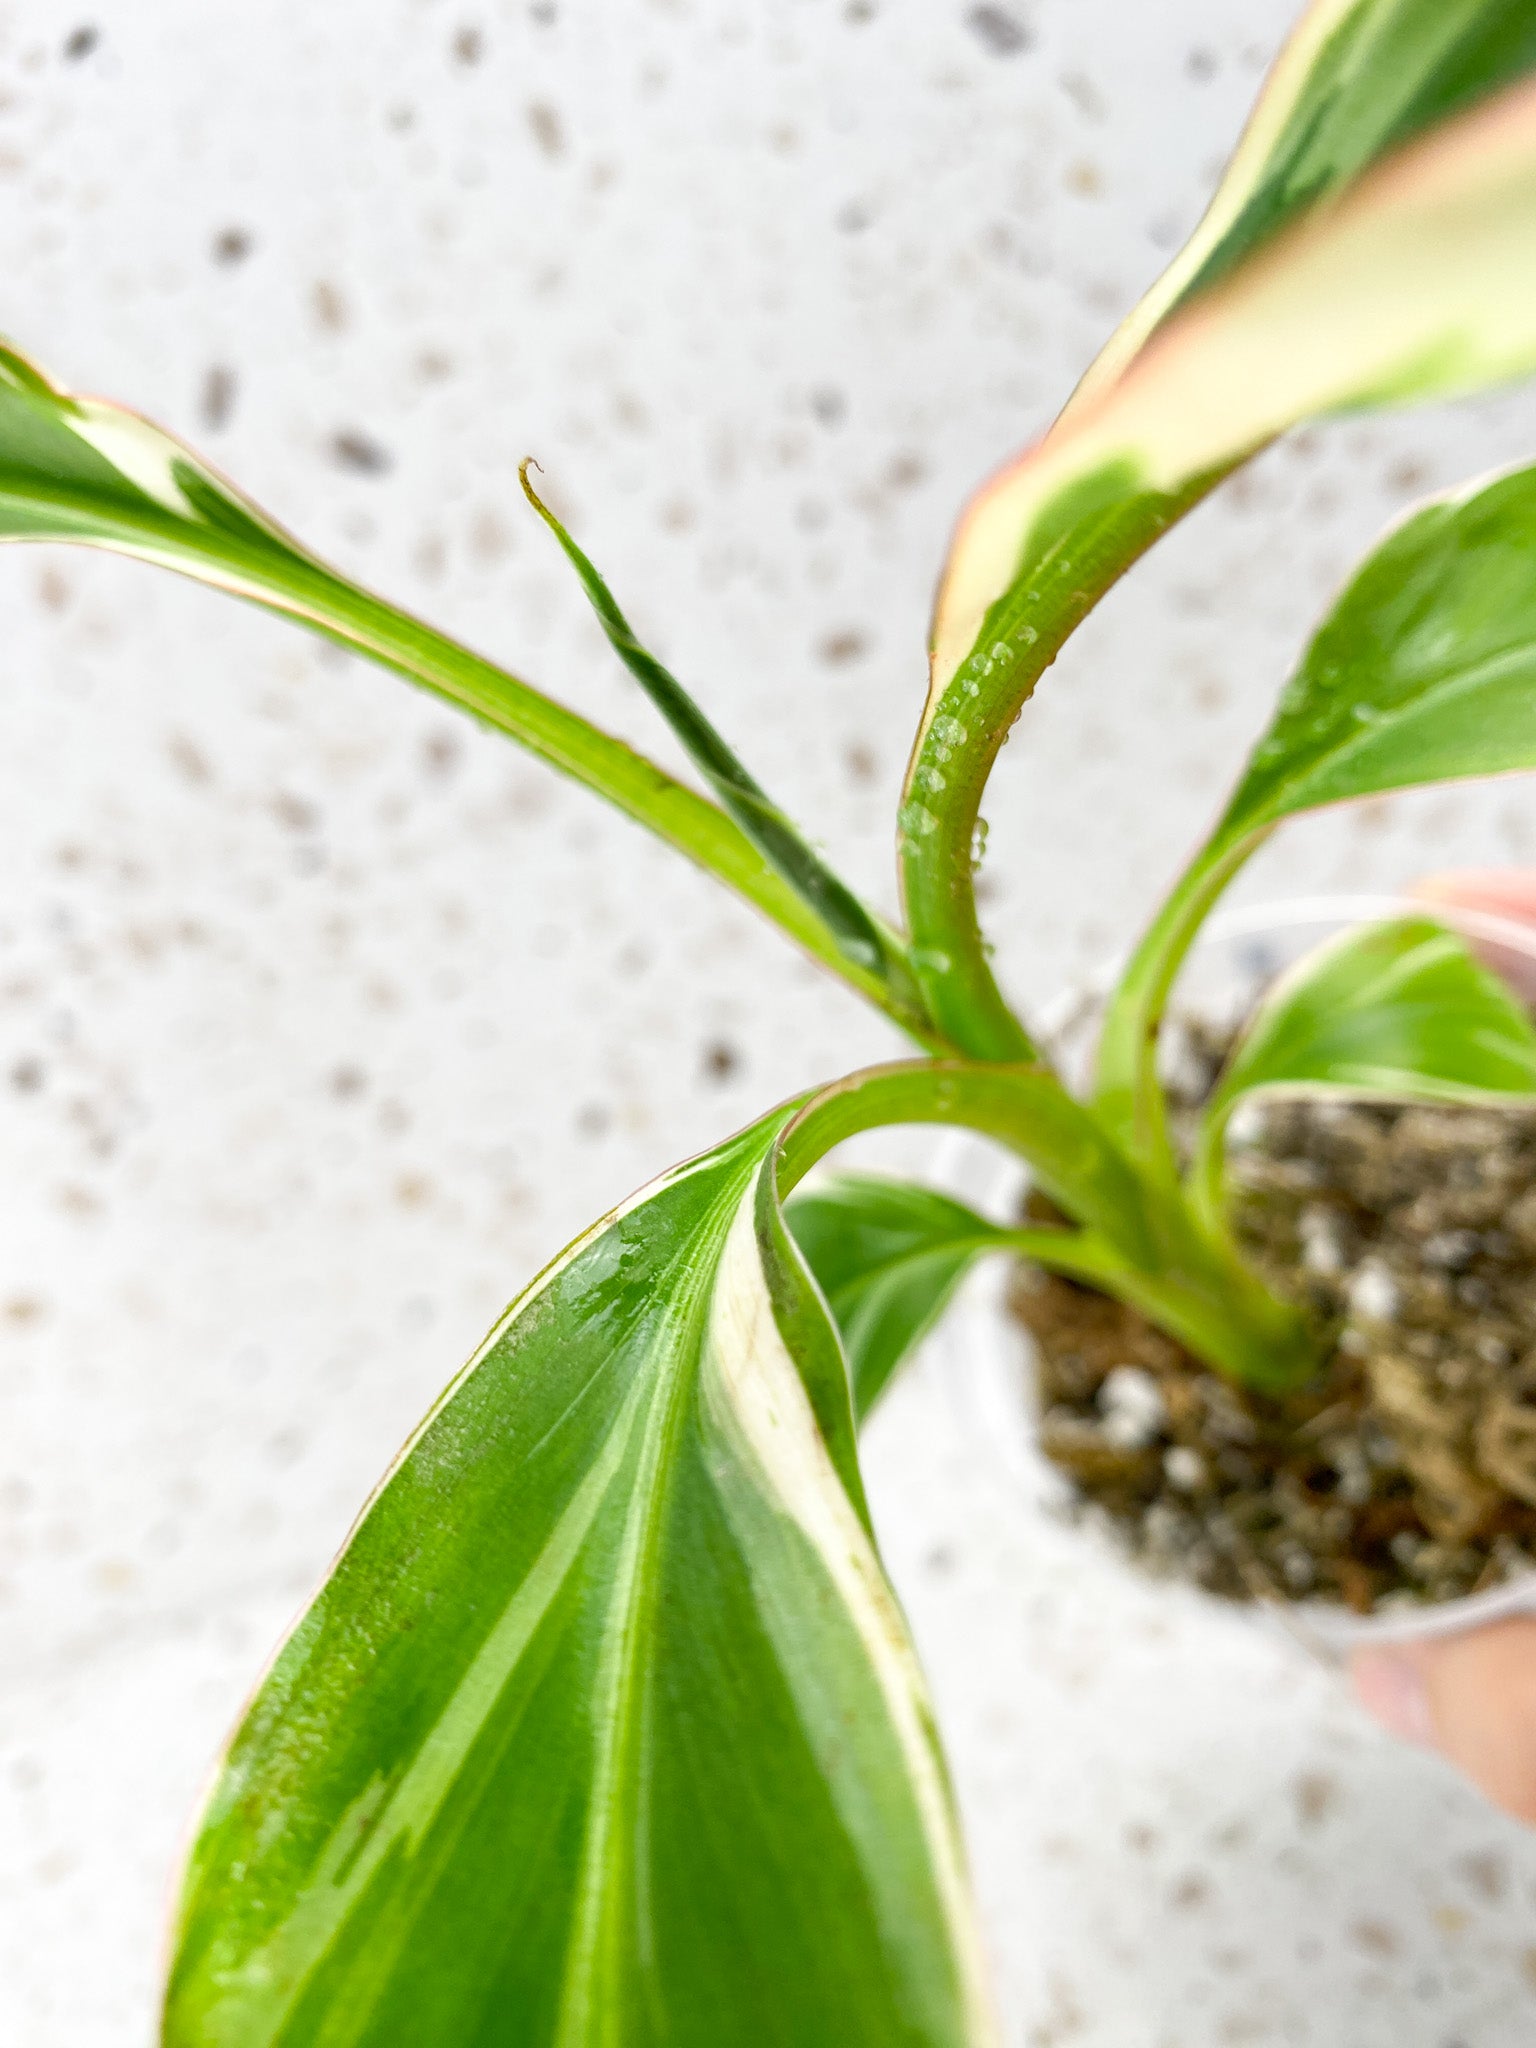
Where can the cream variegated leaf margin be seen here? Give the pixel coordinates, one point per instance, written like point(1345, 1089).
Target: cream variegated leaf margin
point(606, 1731)
point(1421, 283)
point(80, 470)
point(1373, 241)
point(1354, 80)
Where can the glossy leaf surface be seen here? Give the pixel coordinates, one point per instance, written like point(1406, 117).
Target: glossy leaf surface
point(1420, 283)
point(1425, 670)
point(75, 469)
point(888, 1256)
point(606, 1729)
point(1412, 283)
point(1416, 279)
point(1355, 80)
point(782, 845)
point(1399, 1009)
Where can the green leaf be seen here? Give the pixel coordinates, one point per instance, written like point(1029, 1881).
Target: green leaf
point(860, 935)
point(1378, 279)
point(1399, 1009)
point(606, 1728)
point(1425, 670)
point(75, 469)
point(1356, 80)
point(888, 1256)
point(1417, 281)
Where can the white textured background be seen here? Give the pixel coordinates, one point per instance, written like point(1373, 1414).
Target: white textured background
point(324, 1018)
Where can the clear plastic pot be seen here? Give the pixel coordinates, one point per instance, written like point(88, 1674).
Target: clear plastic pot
point(985, 1350)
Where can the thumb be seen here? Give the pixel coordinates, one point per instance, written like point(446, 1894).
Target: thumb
point(1472, 1697)
point(1502, 892)
point(1508, 894)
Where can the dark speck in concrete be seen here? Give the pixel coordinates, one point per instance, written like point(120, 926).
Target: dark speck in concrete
point(468, 46)
point(1316, 1797)
point(328, 306)
point(721, 1060)
point(548, 128)
point(1375, 1938)
point(845, 645)
point(297, 813)
point(216, 404)
point(80, 42)
point(1487, 1872)
point(232, 245)
point(441, 752)
point(188, 759)
point(359, 452)
point(998, 30)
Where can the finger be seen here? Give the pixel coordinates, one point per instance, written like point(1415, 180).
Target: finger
point(1502, 892)
point(1390, 1687)
point(1505, 893)
point(1472, 1697)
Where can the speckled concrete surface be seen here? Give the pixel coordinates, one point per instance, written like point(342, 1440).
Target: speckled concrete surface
point(324, 1019)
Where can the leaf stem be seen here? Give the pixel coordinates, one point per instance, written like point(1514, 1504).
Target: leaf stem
point(968, 721)
point(1127, 1091)
point(1137, 1240)
point(269, 571)
point(857, 931)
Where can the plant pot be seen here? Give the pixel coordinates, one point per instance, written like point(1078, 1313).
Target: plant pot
point(987, 1349)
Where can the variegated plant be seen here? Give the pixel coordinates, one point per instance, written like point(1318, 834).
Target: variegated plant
point(605, 1731)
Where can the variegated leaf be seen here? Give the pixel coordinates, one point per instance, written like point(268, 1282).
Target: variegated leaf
point(1400, 1009)
point(606, 1728)
point(77, 469)
point(1374, 241)
point(1420, 282)
point(888, 1256)
point(1355, 80)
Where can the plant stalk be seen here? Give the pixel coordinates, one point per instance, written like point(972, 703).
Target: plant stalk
point(1127, 1092)
point(277, 575)
point(959, 742)
point(1138, 1239)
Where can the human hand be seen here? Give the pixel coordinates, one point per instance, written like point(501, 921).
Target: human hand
point(1470, 1696)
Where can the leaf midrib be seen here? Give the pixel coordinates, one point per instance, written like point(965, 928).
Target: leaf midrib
point(1447, 685)
point(615, 1719)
